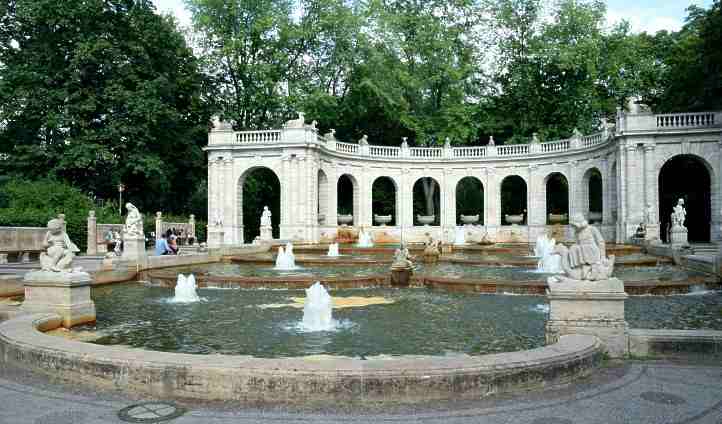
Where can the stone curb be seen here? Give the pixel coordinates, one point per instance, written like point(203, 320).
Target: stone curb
point(292, 380)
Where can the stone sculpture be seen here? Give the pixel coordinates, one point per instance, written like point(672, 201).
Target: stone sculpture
point(402, 267)
point(266, 217)
point(133, 222)
point(60, 250)
point(432, 250)
point(587, 259)
point(364, 141)
point(491, 141)
point(404, 143)
point(679, 215)
point(330, 135)
point(649, 214)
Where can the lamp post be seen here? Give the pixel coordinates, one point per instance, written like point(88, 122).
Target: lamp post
point(121, 189)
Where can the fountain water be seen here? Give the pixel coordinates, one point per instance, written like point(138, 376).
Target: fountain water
point(333, 250)
point(286, 260)
point(549, 262)
point(460, 236)
point(185, 289)
point(317, 309)
point(365, 239)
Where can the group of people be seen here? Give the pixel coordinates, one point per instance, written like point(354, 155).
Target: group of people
point(167, 244)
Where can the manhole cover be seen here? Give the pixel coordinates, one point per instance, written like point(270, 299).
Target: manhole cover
point(150, 412)
point(662, 397)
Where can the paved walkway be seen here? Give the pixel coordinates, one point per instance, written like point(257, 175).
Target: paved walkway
point(632, 392)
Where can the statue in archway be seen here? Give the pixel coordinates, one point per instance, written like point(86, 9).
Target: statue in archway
point(587, 258)
point(266, 226)
point(679, 214)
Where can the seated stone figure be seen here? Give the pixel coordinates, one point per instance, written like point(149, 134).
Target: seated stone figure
point(586, 260)
point(60, 250)
point(402, 258)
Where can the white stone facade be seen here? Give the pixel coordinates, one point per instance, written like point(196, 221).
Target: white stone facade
point(309, 166)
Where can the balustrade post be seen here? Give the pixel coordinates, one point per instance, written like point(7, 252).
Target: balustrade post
point(92, 248)
point(158, 225)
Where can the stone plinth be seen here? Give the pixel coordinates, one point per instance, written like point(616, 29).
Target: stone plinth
point(678, 236)
point(64, 293)
point(400, 277)
point(588, 307)
point(215, 236)
point(266, 233)
point(134, 249)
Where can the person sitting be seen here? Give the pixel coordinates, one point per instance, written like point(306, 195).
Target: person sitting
point(161, 246)
point(173, 245)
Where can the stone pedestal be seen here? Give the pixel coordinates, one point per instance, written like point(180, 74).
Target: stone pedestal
point(400, 277)
point(678, 237)
point(215, 236)
point(588, 307)
point(266, 233)
point(134, 249)
point(64, 293)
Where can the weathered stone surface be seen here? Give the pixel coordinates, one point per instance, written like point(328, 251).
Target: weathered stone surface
point(64, 293)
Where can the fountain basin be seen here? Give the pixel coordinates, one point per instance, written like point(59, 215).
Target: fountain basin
point(345, 219)
point(514, 219)
point(469, 219)
point(292, 380)
point(383, 220)
point(426, 219)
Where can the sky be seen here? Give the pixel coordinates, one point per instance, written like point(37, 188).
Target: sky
point(643, 15)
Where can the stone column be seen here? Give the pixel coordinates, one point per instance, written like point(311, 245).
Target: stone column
point(332, 197)
point(634, 196)
point(447, 220)
point(621, 194)
point(286, 211)
point(492, 196)
point(406, 214)
point(365, 202)
point(536, 204)
point(650, 193)
point(92, 234)
point(159, 224)
point(607, 188)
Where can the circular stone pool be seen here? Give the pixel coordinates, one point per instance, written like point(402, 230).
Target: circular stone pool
point(371, 322)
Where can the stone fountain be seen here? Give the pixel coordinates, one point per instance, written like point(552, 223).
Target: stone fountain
point(549, 261)
point(317, 310)
point(185, 289)
point(285, 260)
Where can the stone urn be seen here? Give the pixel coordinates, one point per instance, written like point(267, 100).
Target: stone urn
point(595, 217)
point(469, 219)
point(345, 219)
point(382, 220)
point(558, 218)
point(426, 219)
point(514, 219)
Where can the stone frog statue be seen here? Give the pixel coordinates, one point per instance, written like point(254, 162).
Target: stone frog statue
point(586, 259)
point(60, 250)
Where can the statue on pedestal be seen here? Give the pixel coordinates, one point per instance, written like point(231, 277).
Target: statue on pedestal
point(587, 259)
point(266, 228)
point(679, 214)
point(402, 258)
point(60, 250)
point(133, 222)
point(432, 250)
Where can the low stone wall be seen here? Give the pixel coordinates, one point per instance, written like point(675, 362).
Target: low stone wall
point(644, 342)
point(17, 243)
point(292, 380)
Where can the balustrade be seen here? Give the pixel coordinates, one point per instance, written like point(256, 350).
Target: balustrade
point(258, 137)
point(346, 147)
point(686, 120)
point(513, 150)
point(384, 151)
point(469, 152)
point(427, 152)
point(555, 146)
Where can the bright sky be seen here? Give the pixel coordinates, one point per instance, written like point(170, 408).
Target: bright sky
point(643, 15)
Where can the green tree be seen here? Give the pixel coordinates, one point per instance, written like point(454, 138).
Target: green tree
point(100, 92)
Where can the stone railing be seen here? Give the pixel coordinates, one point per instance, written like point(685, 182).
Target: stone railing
point(97, 233)
point(427, 152)
point(513, 150)
point(649, 122)
point(187, 230)
point(554, 146)
point(258, 137)
point(22, 241)
point(469, 152)
point(347, 147)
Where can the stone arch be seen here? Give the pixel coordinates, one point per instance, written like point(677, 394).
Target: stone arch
point(556, 196)
point(381, 202)
point(469, 198)
point(322, 197)
point(513, 192)
point(427, 199)
point(593, 195)
point(696, 188)
point(348, 196)
point(263, 186)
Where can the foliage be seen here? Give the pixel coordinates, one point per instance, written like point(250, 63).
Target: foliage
point(33, 204)
point(101, 92)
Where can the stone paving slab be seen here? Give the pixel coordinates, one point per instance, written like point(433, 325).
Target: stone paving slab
point(636, 392)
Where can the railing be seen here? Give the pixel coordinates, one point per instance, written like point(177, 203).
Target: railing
point(555, 146)
point(427, 152)
point(513, 150)
point(384, 151)
point(592, 140)
point(346, 147)
point(686, 120)
point(469, 152)
point(258, 137)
